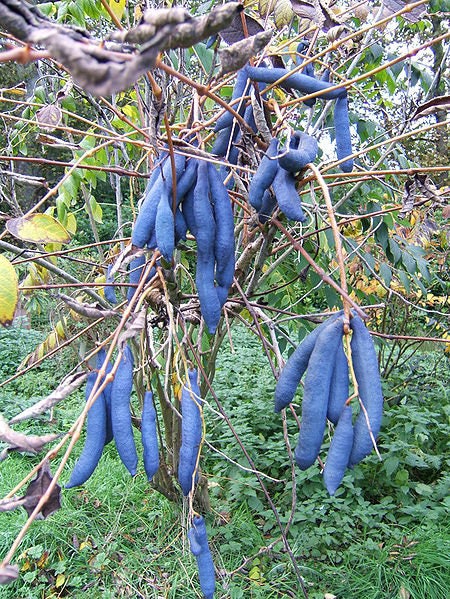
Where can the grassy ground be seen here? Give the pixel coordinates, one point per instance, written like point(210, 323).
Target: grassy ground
point(384, 535)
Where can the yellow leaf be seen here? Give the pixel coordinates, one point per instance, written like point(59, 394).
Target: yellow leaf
point(283, 13)
point(60, 580)
point(38, 228)
point(84, 544)
point(117, 7)
point(71, 224)
point(9, 291)
point(265, 7)
point(60, 330)
point(42, 561)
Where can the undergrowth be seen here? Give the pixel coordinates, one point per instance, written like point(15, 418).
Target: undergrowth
point(381, 536)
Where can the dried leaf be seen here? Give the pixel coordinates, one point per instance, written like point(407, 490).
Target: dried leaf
point(87, 310)
point(414, 15)
point(9, 291)
point(432, 106)
point(238, 54)
point(404, 593)
point(64, 389)
point(318, 12)
point(446, 211)
point(9, 573)
point(260, 117)
point(49, 117)
point(426, 186)
point(134, 327)
point(419, 183)
point(37, 488)
point(307, 10)
point(21, 442)
point(409, 195)
point(283, 13)
point(64, 91)
point(235, 31)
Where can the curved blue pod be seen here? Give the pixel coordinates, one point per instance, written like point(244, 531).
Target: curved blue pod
point(224, 246)
point(199, 546)
point(296, 366)
point(339, 391)
point(339, 452)
point(222, 142)
point(316, 393)
point(288, 200)
point(156, 171)
point(325, 76)
point(187, 208)
point(165, 225)
point(205, 235)
point(365, 365)
point(298, 81)
point(95, 437)
point(136, 266)
point(307, 70)
point(121, 412)
point(194, 545)
point(268, 205)
point(264, 175)
point(110, 292)
point(210, 305)
point(145, 220)
point(181, 227)
point(303, 148)
point(149, 436)
point(167, 174)
point(240, 89)
point(187, 179)
point(342, 132)
point(249, 118)
point(101, 356)
point(191, 433)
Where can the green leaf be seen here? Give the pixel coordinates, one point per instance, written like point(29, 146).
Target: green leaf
point(370, 261)
point(395, 250)
point(390, 465)
point(409, 263)
point(96, 209)
point(382, 235)
point(9, 291)
point(385, 273)
point(423, 268)
point(420, 285)
point(404, 279)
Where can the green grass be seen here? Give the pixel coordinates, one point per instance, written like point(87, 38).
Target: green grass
point(380, 537)
point(417, 566)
